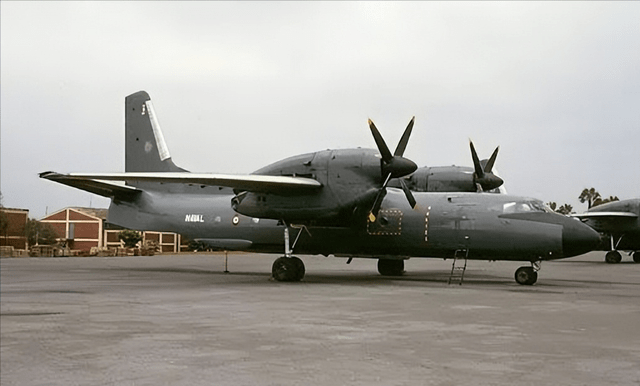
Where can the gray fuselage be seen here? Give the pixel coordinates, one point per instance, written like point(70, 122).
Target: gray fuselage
point(488, 226)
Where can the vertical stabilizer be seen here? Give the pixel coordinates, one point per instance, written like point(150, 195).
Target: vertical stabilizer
point(146, 150)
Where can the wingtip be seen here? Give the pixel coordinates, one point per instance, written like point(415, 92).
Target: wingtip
point(46, 174)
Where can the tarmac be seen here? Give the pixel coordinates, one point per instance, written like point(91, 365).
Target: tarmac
point(181, 320)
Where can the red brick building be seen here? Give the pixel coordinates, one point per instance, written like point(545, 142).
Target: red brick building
point(81, 228)
point(86, 228)
point(13, 233)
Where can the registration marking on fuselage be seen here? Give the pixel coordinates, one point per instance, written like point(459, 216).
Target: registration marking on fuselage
point(194, 218)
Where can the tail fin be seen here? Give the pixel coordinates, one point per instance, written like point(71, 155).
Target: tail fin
point(146, 150)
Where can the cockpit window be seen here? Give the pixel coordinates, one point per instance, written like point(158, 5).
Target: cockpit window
point(524, 207)
point(540, 207)
point(509, 207)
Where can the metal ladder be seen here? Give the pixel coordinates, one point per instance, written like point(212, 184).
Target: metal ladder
point(459, 266)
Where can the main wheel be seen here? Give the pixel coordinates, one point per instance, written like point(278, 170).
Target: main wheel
point(526, 276)
point(613, 257)
point(388, 267)
point(636, 257)
point(299, 267)
point(288, 269)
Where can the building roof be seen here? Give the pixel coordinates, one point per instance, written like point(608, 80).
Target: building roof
point(95, 212)
point(4, 208)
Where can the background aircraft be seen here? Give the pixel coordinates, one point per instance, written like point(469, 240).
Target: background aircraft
point(338, 202)
point(619, 221)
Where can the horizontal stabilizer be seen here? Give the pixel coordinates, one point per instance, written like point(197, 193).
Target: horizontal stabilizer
point(254, 183)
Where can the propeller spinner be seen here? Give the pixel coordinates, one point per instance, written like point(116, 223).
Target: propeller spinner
point(483, 176)
point(392, 166)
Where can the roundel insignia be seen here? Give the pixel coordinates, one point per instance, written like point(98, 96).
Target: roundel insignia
point(235, 220)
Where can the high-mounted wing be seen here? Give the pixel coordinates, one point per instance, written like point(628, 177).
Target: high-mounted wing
point(283, 185)
point(606, 221)
point(605, 215)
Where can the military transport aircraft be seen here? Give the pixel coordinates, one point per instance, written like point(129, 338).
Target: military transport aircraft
point(619, 221)
point(338, 202)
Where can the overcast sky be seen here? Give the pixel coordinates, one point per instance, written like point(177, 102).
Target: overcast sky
point(239, 85)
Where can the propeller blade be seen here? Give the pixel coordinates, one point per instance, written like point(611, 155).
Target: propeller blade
point(402, 145)
point(492, 160)
point(476, 162)
point(382, 146)
point(376, 204)
point(392, 166)
point(378, 201)
point(407, 192)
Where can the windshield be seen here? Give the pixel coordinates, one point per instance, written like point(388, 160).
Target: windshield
point(525, 207)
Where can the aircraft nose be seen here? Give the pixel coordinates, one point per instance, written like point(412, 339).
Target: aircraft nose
point(578, 238)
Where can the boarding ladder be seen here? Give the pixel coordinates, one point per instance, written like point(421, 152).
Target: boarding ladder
point(459, 266)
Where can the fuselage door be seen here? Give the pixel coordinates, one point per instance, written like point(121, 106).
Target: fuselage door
point(453, 223)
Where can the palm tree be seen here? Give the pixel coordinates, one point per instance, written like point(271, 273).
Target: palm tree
point(590, 196)
point(565, 209)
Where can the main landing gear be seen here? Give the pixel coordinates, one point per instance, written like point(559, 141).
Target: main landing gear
point(288, 267)
point(387, 267)
point(528, 275)
point(614, 257)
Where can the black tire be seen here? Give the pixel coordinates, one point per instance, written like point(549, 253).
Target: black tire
point(287, 269)
point(299, 267)
point(636, 257)
point(388, 267)
point(613, 257)
point(526, 276)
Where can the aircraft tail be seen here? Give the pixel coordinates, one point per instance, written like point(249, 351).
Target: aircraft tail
point(145, 148)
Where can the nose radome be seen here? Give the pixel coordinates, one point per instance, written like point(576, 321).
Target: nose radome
point(578, 238)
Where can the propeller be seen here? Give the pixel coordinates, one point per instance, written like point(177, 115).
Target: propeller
point(392, 166)
point(483, 177)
